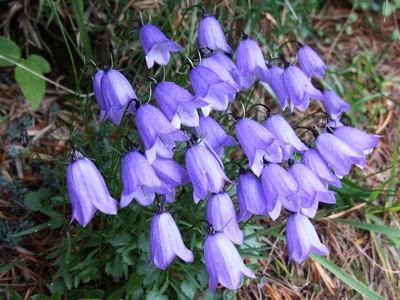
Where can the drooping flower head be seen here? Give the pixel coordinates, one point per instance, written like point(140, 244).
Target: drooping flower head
point(276, 84)
point(211, 35)
point(281, 129)
point(177, 104)
point(140, 180)
point(302, 239)
point(356, 138)
point(205, 169)
point(214, 134)
point(223, 262)
point(299, 88)
point(310, 62)
point(156, 132)
point(250, 60)
point(156, 45)
point(221, 213)
point(114, 94)
point(171, 174)
point(333, 104)
point(166, 241)
point(211, 89)
point(257, 143)
point(250, 197)
point(87, 190)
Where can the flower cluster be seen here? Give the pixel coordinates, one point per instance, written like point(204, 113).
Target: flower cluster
point(283, 172)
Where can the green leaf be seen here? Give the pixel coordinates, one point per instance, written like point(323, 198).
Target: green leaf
point(32, 86)
point(41, 62)
point(372, 227)
point(188, 288)
point(10, 50)
point(33, 200)
point(347, 278)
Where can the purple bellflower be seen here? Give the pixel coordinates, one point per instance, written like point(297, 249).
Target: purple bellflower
point(221, 213)
point(205, 169)
point(140, 180)
point(302, 239)
point(277, 185)
point(310, 190)
point(250, 196)
point(299, 88)
point(258, 144)
point(310, 62)
point(210, 88)
point(314, 161)
point(113, 93)
point(225, 68)
point(156, 132)
point(214, 135)
point(223, 261)
point(211, 35)
point(171, 174)
point(250, 60)
point(156, 45)
point(276, 84)
point(333, 104)
point(177, 104)
point(87, 190)
point(280, 128)
point(338, 155)
point(166, 241)
point(356, 138)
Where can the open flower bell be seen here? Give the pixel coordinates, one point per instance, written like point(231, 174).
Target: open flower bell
point(166, 241)
point(211, 35)
point(156, 45)
point(87, 190)
point(310, 62)
point(223, 261)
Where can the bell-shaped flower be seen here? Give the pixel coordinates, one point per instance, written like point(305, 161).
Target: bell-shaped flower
point(171, 174)
point(205, 169)
point(166, 241)
point(299, 88)
point(140, 180)
point(177, 104)
point(276, 84)
point(112, 90)
point(114, 95)
point(156, 45)
point(214, 135)
point(87, 190)
point(314, 161)
point(211, 36)
point(277, 185)
point(211, 89)
point(223, 262)
point(280, 128)
point(311, 188)
point(338, 154)
point(250, 196)
point(356, 138)
point(225, 68)
point(333, 104)
point(302, 239)
point(258, 144)
point(221, 213)
point(310, 62)
point(250, 60)
point(156, 131)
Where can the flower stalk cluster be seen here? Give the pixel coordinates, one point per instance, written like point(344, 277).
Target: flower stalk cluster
point(283, 172)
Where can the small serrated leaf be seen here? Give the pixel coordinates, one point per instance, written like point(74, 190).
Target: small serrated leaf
point(41, 62)
point(32, 86)
point(10, 50)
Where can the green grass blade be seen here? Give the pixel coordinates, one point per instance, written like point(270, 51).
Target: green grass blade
point(347, 278)
point(372, 227)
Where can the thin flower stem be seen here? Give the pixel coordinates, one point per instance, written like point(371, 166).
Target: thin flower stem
point(45, 78)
